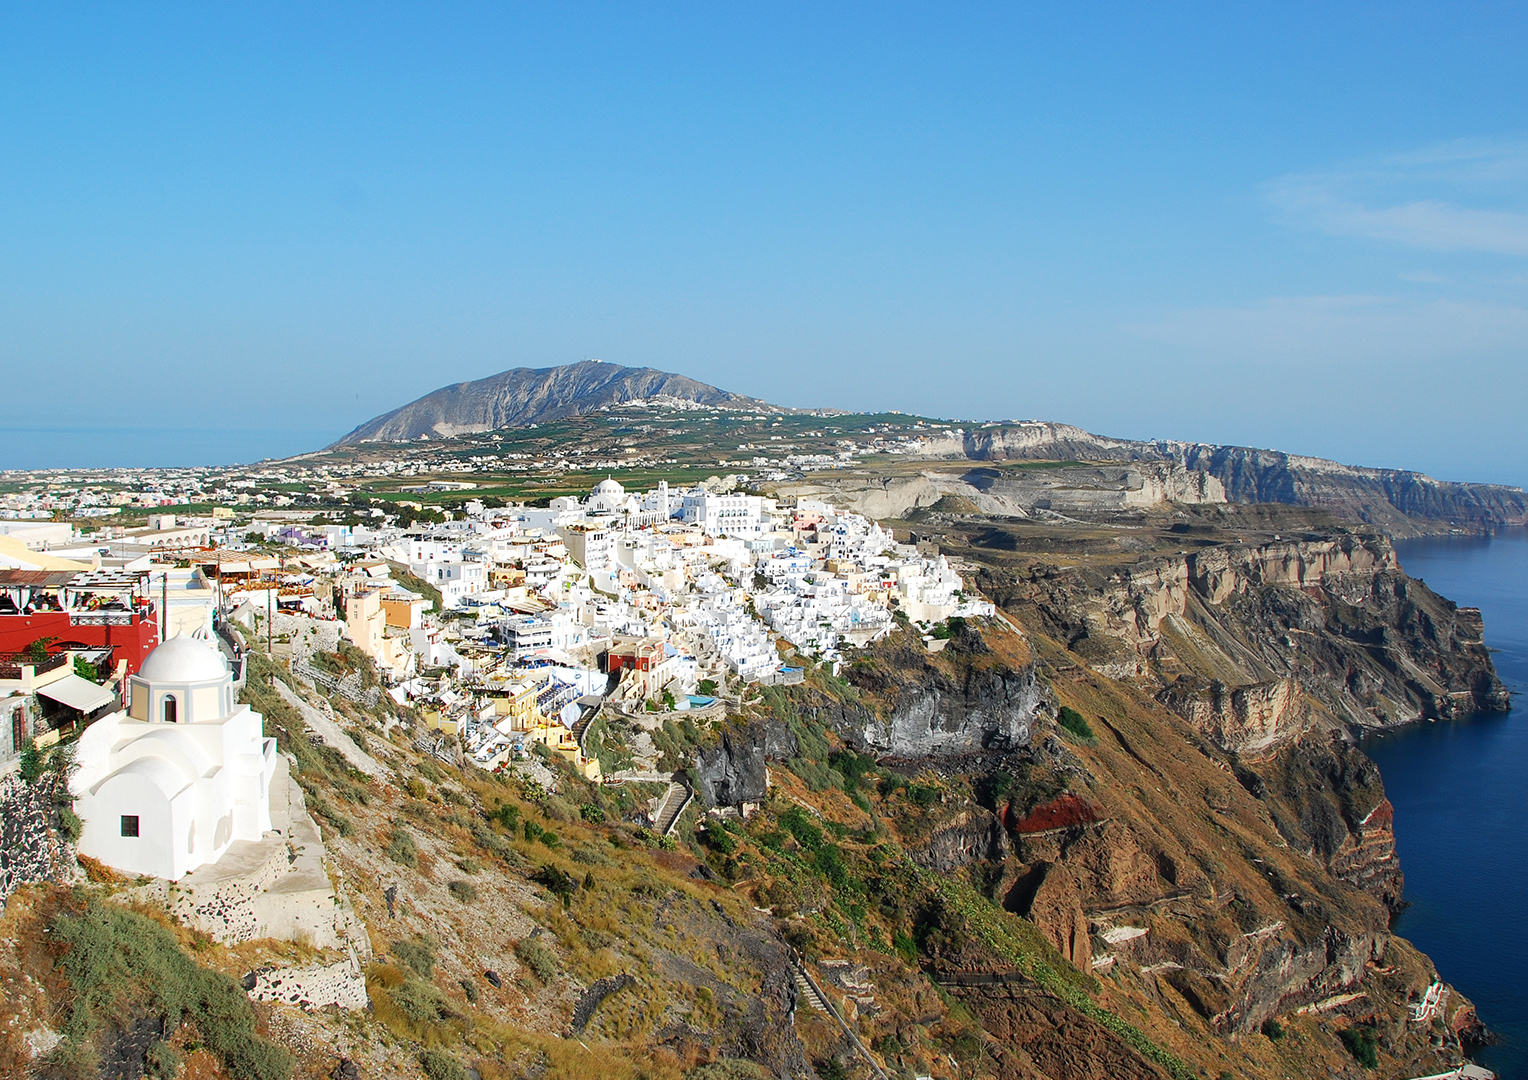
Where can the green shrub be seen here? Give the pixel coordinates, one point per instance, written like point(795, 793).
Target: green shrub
point(69, 824)
point(401, 849)
point(1361, 1043)
point(538, 957)
point(464, 891)
point(86, 670)
point(438, 1065)
point(1273, 1029)
point(801, 826)
point(718, 839)
point(420, 1001)
point(829, 862)
point(120, 964)
point(1073, 721)
point(418, 955)
point(558, 881)
point(30, 766)
point(993, 789)
point(163, 1061)
point(854, 768)
point(924, 795)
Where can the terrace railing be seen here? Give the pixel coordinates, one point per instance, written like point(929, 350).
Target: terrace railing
point(12, 663)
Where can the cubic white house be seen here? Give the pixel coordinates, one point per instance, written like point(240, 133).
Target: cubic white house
point(170, 784)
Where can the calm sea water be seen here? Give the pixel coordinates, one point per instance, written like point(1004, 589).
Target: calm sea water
point(1461, 802)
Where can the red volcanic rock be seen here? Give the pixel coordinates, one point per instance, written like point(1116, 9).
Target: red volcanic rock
point(1059, 813)
point(1381, 817)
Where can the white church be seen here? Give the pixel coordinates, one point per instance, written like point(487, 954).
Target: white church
point(170, 784)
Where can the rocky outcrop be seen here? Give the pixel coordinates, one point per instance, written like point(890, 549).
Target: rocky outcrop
point(1235, 636)
point(990, 710)
point(1052, 900)
point(970, 837)
point(1063, 489)
point(1279, 974)
point(1327, 799)
point(1395, 498)
point(525, 396)
point(1245, 719)
point(735, 770)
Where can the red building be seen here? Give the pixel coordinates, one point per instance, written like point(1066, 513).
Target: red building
point(97, 609)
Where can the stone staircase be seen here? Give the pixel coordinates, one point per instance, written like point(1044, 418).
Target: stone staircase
point(809, 993)
point(816, 999)
point(674, 801)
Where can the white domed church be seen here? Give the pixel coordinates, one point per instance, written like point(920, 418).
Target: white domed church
point(170, 784)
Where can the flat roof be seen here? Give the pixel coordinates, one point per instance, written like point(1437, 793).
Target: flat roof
point(36, 578)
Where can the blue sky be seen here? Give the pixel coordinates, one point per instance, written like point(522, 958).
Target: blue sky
point(229, 231)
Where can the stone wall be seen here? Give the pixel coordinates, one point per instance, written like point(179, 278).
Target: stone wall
point(31, 847)
point(342, 984)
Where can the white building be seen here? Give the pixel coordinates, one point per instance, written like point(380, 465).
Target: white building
point(725, 515)
point(591, 546)
point(529, 635)
point(186, 772)
point(456, 578)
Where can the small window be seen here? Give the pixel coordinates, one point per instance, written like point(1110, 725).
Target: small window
point(129, 824)
point(169, 710)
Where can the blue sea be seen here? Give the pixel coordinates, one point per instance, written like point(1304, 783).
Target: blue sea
point(1461, 802)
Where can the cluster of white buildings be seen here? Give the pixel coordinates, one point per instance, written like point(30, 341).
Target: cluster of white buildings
point(649, 596)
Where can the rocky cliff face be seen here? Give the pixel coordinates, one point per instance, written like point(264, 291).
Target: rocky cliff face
point(529, 396)
point(1062, 489)
point(1240, 639)
point(1397, 499)
point(1219, 843)
point(1394, 498)
point(735, 770)
point(963, 700)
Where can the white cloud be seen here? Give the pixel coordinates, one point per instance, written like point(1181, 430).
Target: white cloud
point(1467, 195)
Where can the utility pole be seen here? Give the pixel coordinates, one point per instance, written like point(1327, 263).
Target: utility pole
point(164, 604)
point(270, 621)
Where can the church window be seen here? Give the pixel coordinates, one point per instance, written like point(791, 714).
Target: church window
point(129, 824)
point(169, 710)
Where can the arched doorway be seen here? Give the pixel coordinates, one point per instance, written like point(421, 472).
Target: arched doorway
point(169, 709)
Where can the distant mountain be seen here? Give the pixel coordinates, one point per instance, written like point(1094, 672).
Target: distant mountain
point(523, 396)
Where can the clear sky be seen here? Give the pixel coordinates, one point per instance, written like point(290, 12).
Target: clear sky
point(230, 231)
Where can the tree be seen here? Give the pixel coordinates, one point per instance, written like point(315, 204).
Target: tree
point(37, 652)
point(85, 669)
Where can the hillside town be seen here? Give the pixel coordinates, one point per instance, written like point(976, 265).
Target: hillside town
point(504, 626)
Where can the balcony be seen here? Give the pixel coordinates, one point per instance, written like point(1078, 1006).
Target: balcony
point(101, 618)
point(12, 663)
